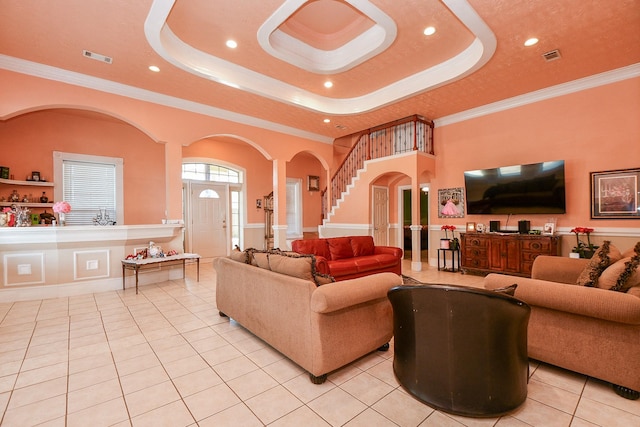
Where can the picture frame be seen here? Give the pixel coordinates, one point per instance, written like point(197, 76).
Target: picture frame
point(615, 195)
point(549, 229)
point(451, 202)
point(313, 183)
point(471, 227)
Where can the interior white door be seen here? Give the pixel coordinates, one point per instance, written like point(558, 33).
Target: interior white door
point(209, 219)
point(381, 216)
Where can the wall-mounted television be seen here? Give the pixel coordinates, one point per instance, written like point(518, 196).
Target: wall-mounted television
point(536, 188)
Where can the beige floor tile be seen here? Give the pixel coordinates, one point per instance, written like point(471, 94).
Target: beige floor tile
point(538, 414)
point(602, 392)
point(303, 416)
point(168, 355)
point(143, 379)
point(337, 406)
point(384, 372)
point(560, 378)
point(134, 351)
point(210, 401)
point(93, 395)
point(36, 413)
point(137, 364)
point(369, 417)
point(221, 354)
point(39, 375)
point(196, 381)
point(41, 361)
point(265, 356)
point(37, 392)
point(151, 398)
point(7, 382)
point(251, 384)
point(438, 419)
point(89, 362)
point(604, 415)
point(273, 404)
point(555, 397)
point(402, 409)
point(237, 415)
point(91, 377)
point(302, 387)
point(367, 388)
point(235, 368)
point(174, 414)
point(283, 370)
point(185, 366)
point(104, 414)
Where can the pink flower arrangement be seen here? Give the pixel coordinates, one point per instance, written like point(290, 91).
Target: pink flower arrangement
point(61, 207)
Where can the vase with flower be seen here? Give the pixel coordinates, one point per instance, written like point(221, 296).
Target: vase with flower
point(447, 243)
point(61, 208)
point(584, 250)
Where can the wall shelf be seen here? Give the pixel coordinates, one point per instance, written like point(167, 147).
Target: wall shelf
point(29, 183)
point(27, 205)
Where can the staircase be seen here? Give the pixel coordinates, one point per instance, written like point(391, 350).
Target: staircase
point(413, 133)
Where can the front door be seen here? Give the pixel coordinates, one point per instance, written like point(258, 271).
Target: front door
point(381, 216)
point(208, 219)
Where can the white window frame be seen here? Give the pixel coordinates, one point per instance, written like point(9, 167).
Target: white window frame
point(59, 157)
point(294, 209)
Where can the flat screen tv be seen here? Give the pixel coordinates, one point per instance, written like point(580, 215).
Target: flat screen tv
point(536, 188)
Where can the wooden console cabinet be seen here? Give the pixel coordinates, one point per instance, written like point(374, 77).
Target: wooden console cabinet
point(504, 253)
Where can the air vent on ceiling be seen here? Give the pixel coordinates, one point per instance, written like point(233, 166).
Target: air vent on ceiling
point(551, 55)
point(97, 56)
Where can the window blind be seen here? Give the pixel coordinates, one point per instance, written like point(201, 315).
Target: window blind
point(88, 187)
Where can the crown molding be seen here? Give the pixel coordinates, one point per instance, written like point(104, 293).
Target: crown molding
point(77, 79)
point(596, 80)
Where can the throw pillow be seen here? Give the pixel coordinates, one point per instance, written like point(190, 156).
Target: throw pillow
point(604, 256)
point(239, 256)
point(295, 266)
point(610, 275)
point(630, 276)
point(632, 251)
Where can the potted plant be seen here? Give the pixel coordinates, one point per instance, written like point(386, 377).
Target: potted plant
point(446, 243)
point(584, 250)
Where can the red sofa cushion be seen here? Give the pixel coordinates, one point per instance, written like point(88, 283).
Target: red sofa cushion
point(318, 247)
point(340, 248)
point(362, 245)
point(342, 267)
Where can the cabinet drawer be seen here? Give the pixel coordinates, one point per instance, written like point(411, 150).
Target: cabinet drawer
point(475, 252)
point(481, 242)
point(529, 256)
point(536, 245)
point(475, 262)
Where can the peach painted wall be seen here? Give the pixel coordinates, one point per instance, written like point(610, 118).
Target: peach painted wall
point(301, 166)
point(593, 130)
point(28, 142)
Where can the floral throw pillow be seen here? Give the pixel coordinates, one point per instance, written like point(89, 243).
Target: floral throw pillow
point(604, 256)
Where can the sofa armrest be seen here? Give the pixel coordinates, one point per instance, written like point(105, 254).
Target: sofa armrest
point(558, 269)
point(392, 250)
point(347, 293)
point(585, 301)
point(322, 266)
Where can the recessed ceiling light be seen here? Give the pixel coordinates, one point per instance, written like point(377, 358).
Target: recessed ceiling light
point(531, 41)
point(154, 68)
point(328, 84)
point(327, 121)
point(232, 44)
point(429, 31)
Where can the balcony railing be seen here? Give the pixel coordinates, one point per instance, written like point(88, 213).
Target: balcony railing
point(413, 133)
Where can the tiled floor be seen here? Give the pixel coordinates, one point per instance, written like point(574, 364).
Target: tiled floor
point(165, 358)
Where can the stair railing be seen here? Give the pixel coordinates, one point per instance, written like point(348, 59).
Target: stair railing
point(413, 133)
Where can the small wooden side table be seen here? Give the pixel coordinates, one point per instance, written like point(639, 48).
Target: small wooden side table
point(136, 264)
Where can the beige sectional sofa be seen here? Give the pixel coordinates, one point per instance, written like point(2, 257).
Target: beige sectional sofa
point(320, 328)
point(591, 330)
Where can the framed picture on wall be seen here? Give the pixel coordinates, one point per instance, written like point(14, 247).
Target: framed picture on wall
point(614, 194)
point(451, 202)
point(313, 183)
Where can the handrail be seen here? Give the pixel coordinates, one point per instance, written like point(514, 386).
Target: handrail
point(413, 133)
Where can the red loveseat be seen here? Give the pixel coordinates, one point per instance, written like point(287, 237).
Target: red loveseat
point(350, 257)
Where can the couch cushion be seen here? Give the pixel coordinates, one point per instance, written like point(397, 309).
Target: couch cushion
point(240, 256)
point(342, 267)
point(362, 245)
point(302, 266)
point(604, 256)
point(318, 247)
point(340, 248)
